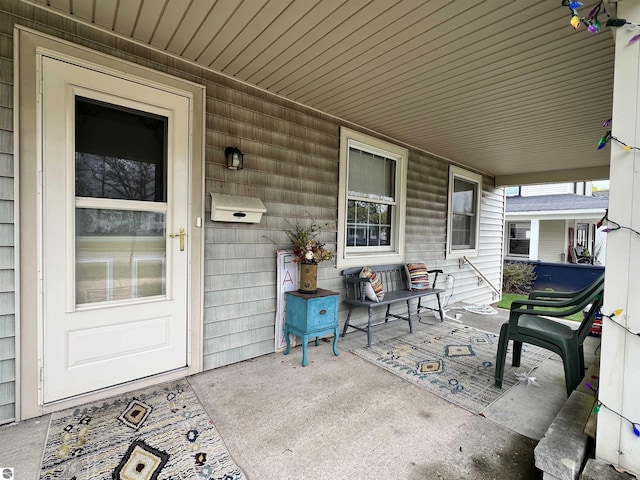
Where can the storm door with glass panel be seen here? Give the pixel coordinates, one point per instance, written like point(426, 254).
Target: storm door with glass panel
point(115, 268)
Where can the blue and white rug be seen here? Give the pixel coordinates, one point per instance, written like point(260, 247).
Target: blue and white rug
point(454, 362)
point(161, 432)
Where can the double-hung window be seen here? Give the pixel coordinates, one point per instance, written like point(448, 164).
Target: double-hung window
point(372, 200)
point(519, 238)
point(463, 219)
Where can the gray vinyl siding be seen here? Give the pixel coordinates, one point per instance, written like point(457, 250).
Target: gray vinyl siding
point(426, 230)
point(546, 189)
point(7, 272)
point(551, 240)
point(291, 163)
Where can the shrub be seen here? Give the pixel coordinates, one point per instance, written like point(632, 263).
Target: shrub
point(517, 277)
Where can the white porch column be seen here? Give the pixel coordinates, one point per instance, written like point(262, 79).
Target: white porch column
point(620, 360)
point(534, 239)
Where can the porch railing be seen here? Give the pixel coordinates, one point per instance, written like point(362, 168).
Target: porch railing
point(481, 275)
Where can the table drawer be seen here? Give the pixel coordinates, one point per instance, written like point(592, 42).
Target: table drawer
point(322, 312)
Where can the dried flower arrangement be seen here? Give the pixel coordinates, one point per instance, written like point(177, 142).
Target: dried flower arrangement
point(306, 246)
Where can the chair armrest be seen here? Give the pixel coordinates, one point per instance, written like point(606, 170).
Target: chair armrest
point(566, 307)
point(567, 302)
point(536, 294)
point(515, 313)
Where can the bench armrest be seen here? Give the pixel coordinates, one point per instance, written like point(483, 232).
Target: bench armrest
point(437, 271)
point(355, 284)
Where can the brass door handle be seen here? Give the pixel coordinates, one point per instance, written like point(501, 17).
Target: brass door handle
point(180, 234)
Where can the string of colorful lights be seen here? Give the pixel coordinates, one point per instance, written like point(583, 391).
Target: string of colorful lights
point(615, 314)
point(635, 426)
point(593, 24)
point(608, 137)
point(616, 225)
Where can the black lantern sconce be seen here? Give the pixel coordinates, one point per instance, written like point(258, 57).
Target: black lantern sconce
point(234, 158)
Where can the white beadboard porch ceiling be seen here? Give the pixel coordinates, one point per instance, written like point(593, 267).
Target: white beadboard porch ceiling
point(506, 87)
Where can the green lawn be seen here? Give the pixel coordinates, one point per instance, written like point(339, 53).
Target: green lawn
point(507, 298)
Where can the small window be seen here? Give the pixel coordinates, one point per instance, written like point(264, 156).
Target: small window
point(512, 191)
point(372, 196)
point(519, 239)
point(463, 221)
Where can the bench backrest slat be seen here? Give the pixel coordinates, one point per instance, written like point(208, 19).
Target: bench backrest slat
point(393, 278)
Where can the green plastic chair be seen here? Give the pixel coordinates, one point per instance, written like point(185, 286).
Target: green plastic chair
point(553, 295)
point(525, 326)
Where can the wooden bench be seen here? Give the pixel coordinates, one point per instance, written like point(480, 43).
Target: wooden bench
point(394, 281)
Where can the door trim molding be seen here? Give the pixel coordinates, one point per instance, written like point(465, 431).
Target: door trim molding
point(28, 45)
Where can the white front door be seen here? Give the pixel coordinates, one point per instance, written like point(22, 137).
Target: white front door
point(114, 202)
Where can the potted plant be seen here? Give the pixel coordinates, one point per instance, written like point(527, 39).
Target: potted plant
point(309, 252)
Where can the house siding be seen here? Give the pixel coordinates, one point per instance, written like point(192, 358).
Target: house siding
point(7, 272)
point(546, 189)
point(291, 163)
point(551, 244)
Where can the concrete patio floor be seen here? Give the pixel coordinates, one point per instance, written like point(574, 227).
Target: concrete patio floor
point(344, 418)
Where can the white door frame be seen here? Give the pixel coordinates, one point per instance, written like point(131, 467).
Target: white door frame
point(28, 43)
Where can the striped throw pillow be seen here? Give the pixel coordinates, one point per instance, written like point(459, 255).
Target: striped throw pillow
point(417, 276)
point(374, 289)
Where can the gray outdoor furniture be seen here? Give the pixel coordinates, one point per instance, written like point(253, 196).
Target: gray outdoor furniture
point(396, 290)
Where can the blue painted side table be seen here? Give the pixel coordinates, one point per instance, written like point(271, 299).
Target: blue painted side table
point(311, 314)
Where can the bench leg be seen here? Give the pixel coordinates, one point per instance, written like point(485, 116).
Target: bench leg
point(409, 316)
point(386, 315)
point(369, 329)
point(440, 311)
point(346, 323)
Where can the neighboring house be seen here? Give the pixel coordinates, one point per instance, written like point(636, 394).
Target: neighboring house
point(545, 222)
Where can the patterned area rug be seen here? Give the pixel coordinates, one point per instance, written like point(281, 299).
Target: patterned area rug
point(454, 362)
point(159, 432)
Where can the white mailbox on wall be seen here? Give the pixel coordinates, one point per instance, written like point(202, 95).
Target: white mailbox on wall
point(236, 208)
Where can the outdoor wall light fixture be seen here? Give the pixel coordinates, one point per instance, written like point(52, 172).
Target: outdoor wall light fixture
point(234, 158)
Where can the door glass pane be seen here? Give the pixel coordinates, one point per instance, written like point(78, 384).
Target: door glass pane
point(120, 255)
point(121, 153)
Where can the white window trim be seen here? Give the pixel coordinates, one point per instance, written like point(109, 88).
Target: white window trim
point(508, 243)
point(401, 155)
point(457, 172)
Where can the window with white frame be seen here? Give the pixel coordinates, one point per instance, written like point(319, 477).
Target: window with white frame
point(371, 212)
point(519, 239)
point(463, 219)
point(513, 191)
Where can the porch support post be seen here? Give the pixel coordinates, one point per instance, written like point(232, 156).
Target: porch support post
point(534, 239)
point(620, 357)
